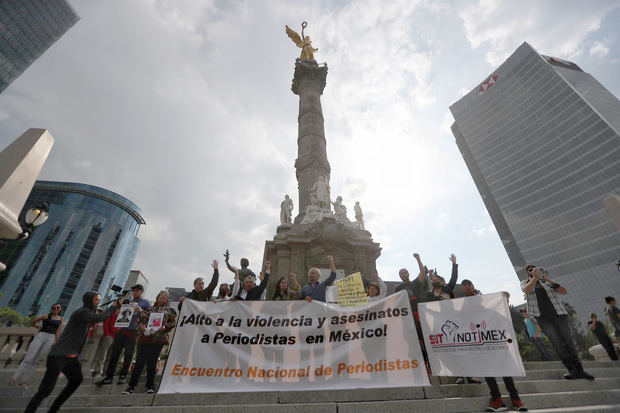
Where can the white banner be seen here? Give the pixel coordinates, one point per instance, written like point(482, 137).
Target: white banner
point(293, 345)
point(471, 336)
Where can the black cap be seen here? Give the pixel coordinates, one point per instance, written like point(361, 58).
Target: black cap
point(138, 287)
point(466, 281)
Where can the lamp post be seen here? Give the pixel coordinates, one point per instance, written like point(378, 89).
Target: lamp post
point(33, 218)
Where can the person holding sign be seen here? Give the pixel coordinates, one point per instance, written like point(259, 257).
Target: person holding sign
point(153, 326)
point(125, 339)
point(251, 291)
point(315, 290)
point(200, 293)
point(282, 293)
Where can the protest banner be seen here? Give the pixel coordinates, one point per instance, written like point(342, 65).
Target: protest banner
point(293, 345)
point(471, 336)
point(351, 292)
point(124, 315)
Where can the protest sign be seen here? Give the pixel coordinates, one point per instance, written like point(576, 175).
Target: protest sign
point(124, 315)
point(351, 292)
point(471, 336)
point(155, 320)
point(293, 345)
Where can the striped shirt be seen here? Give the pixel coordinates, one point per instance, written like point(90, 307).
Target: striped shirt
point(532, 301)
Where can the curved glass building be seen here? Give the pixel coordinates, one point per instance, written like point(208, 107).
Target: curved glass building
point(88, 243)
point(541, 139)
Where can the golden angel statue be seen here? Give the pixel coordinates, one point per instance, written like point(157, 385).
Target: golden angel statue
point(307, 51)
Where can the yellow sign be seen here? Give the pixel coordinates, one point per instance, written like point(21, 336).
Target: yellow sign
point(351, 292)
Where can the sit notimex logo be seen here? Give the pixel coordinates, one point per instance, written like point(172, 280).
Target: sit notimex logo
point(478, 334)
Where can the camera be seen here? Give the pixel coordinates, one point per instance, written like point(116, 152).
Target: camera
point(118, 292)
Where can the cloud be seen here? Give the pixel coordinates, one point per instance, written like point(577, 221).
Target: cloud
point(186, 109)
point(501, 26)
point(598, 49)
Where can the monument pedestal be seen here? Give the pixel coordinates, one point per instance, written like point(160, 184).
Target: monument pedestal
point(297, 248)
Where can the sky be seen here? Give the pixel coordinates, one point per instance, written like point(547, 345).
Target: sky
point(186, 109)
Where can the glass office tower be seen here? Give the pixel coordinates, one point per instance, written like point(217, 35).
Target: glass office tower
point(88, 243)
point(27, 29)
point(541, 139)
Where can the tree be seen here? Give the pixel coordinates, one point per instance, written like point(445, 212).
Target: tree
point(10, 317)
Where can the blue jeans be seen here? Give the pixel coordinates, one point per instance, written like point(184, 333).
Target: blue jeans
point(558, 332)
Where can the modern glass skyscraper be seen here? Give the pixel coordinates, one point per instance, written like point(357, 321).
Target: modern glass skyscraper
point(27, 29)
point(541, 139)
point(88, 243)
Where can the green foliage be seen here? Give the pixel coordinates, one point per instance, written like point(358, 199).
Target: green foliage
point(10, 317)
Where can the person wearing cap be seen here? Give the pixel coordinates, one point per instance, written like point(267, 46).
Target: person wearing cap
point(125, 340)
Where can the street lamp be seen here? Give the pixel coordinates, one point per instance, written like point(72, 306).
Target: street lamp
point(33, 218)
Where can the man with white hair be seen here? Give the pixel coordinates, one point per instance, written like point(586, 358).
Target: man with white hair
point(315, 290)
point(251, 291)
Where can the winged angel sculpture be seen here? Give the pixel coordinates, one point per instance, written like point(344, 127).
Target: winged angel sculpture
point(307, 51)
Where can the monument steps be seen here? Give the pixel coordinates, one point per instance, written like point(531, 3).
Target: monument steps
point(543, 389)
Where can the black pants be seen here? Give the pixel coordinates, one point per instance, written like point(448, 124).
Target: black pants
point(122, 342)
point(147, 355)
point(558, 332)
point(510, 386)
point(608, 345)
point(71, 367)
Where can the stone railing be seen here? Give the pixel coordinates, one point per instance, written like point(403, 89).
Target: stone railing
point(14, 342)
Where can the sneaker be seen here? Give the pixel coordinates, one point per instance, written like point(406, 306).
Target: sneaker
point(149, 391)
point(518, 405)
point(106, 380)
point(496, 405)
point(473, 380)
point(570, 376)
point(121, 380)
point(460, 380)
point(128, 390)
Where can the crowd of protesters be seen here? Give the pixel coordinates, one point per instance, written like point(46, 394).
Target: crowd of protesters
point(544, 314)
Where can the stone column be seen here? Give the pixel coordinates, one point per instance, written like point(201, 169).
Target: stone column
point(308, 82)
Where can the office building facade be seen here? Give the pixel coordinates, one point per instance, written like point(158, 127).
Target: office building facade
point(541, 139)
point(89, 242)
point(27, 29)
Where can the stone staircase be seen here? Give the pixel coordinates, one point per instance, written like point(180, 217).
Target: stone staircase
point(542, 390)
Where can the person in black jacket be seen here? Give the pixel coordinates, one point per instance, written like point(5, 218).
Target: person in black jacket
point(440, 290)
point(200, 293)
point(251, 291)
point(65, 353)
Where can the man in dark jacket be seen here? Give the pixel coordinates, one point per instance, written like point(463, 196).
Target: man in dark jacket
point(65, 353)
point(251, 291)
point(200, 293)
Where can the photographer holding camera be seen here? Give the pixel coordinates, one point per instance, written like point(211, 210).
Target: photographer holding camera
point(65, 353)
point(543, 302)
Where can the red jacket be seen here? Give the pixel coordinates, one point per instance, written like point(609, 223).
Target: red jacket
point(108, 326)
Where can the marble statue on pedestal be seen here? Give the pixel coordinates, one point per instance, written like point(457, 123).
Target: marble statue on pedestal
point(320, 193)
point(286, 209)
point(340, 211)
point(359, 216)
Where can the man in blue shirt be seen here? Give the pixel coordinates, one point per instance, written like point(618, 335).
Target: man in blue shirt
point(125, 340)
point(315, 290)
point(535, 333)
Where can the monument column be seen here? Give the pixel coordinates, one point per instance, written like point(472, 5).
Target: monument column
point(311, 163)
